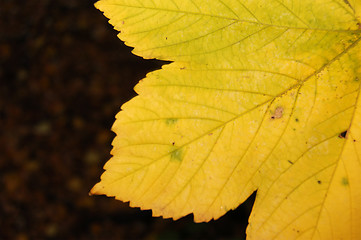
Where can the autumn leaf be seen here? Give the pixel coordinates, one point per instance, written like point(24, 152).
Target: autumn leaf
point(260, 95)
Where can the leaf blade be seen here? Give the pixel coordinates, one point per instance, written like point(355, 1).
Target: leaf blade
point(214, 126)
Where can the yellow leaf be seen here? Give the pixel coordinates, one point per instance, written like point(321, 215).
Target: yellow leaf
point(260, 95)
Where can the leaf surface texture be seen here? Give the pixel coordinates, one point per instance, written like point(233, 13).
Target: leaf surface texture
point(260, 95)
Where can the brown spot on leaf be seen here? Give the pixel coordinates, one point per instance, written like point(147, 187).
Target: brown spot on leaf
point(278, 113)
point(343, 134)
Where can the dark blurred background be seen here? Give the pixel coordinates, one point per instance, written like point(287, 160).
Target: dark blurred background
point(63, 76)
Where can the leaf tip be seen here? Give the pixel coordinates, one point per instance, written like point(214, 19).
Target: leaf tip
point(99, 5)
point(98, 189)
